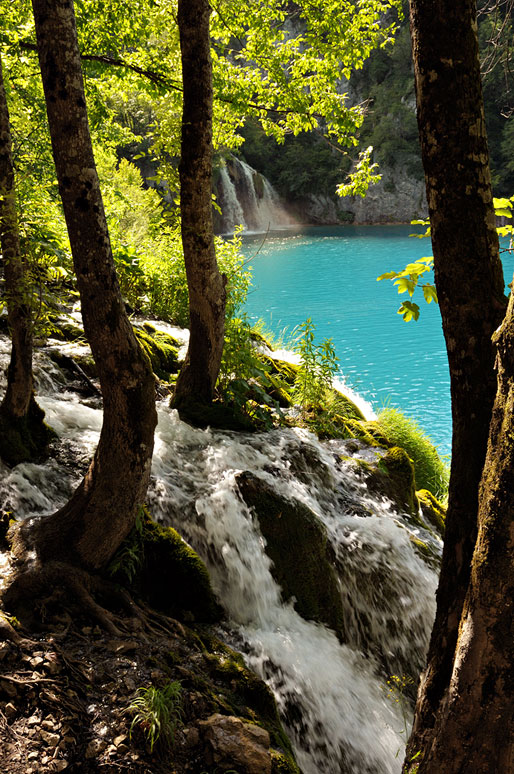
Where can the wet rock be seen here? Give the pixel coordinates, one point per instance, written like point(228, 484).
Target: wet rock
point(243, 746)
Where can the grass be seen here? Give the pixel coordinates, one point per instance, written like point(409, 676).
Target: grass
point(430, 468)
point(157, 713)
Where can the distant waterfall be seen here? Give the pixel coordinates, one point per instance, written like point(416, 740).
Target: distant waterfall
point(248, 199)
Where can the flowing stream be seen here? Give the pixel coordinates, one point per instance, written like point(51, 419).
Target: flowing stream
point(333, 697)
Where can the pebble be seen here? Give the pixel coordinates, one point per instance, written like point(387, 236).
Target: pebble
point(52, 740)
point(94, 748)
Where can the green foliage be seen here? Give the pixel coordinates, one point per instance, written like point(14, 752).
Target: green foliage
point(431, 472)
point(245, 381)
point(407, 279)
point(318, 367)
point(157, 712)
point(129, 558)
point(362, 176)
point(399, 688)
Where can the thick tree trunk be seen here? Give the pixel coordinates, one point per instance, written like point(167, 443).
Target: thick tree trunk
point(197, 378)
point(470, 287)
point(23, 434)
point(91, 526)
point(474, 729)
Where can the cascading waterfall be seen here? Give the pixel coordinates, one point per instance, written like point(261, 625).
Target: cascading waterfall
point(331, 696)
point(248, 199)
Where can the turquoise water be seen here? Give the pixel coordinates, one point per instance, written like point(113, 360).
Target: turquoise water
point(329, 274)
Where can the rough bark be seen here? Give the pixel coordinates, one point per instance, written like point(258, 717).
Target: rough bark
point(470, 287)
point(90, 527)
point(23, 434)
point(197, 378)
point(474, 729)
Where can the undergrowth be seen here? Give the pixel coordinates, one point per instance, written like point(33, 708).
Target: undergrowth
point(431, 470)
point(157, 712)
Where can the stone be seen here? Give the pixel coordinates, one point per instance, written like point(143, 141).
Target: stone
point(242, 746)
point(94, 748)
point(52, 740)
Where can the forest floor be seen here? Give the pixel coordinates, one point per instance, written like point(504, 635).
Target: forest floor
point(65, 698)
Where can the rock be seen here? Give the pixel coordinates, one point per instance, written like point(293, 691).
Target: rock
point(296, 542)
point(243, 746)
point(94, 748)
point(52, 740)
point(10, 711)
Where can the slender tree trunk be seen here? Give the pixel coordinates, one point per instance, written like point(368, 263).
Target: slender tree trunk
point(470, 288)
point(474, 729)
point(90, 527)
point(197, 378)
point(23, 434)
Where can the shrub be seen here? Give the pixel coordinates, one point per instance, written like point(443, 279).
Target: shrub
point(431, 471)
point(157, 712)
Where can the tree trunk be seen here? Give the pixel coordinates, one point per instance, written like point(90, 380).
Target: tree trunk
point(23, 434)
point(470, 288)
point(90, 527)
point(474, 729)
point(197, 378)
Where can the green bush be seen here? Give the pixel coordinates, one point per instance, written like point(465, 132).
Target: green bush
point(431, 471)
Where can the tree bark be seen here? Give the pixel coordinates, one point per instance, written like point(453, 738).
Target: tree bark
point(207, 295)
point(23, 434)
point(470, 287)
point(90, 527)
point(474, 729)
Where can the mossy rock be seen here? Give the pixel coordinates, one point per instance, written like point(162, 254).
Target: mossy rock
point(66, 330)
point(162, 350)
point(26, 438)
point(216, 414)
point(399, 471)
point(344, 406)
point(297, 544)
point(286, 371)
point(279, 390)
point(166, 572)
point(433, 512)
point(281, 764)
point(426, 551)
point(241, 692)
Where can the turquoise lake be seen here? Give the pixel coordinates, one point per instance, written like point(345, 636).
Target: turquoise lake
point(329, 274)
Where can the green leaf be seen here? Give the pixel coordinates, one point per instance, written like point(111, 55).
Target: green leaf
point(430, 293)
point(409, 311)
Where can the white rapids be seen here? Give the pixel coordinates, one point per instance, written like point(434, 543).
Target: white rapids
point(333, 698)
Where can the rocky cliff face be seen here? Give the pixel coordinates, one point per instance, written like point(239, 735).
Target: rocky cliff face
point(247, 198)
point(397, 198)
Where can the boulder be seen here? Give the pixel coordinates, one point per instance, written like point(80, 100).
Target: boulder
point(232, 744)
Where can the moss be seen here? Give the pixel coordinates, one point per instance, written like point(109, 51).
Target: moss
point(281, 764)
point(162, 350)
point(286, 371)
point(426, 552)
point(26, 438)
point(357, 429)
point(246, 695)
point(66, 330)
point(173, 578)
point(215, 414)
point(296, 542)
point(398, 467)
point(343, 405)
point(163, 569)
point(432, 510)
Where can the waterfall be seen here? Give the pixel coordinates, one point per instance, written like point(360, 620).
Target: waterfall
point(248, 199)
point(332, 696)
